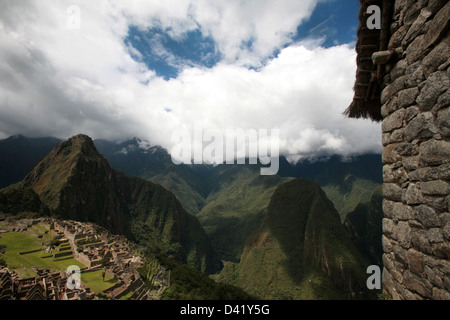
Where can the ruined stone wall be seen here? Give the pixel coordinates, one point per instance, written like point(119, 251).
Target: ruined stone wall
point(416, 155)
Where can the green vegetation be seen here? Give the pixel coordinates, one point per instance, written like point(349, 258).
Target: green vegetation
point(18, 242)
point(76, 182)
point(349, 193)
point(290, 237)
point(187, 283)
point(364, 225)
point(301, 250)
point(95, 281)
point(229, 201)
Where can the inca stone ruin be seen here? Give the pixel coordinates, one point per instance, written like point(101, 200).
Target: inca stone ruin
point(411, 54)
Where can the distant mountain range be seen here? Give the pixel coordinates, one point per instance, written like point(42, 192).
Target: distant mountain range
point(74, 181)
point(223, 197)
point(203, 213)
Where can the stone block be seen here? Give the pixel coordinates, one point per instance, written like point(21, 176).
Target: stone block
point(439, 55)
point(417, 50)
point(438, 27)
point(436, 84)
point(431, 173)
point(397, 37)
point(427, 216)
point(407, 97)
point(397, 135)
point(401, 255)
point(392, 191)
point(388, 226)
point(410, 163)
point(398, 70)
point(420, 241)
point(446, 231)
point(417, 284)
point(415, 262)
point(390, 154)
point(411, 113)
point(441, 249)
point(417, 26)
point(414, 75)
point(413, 194)
point(434, 152)
point(403, 231)
point(402, 211)
point(406, 149)
point(444, 100)
point(392, 105)
point(386, 138)
point(443, 122)
point(386, 244)
point(434, 276)
point(435, 187)
point(435, 235)
point(393, 121)
point(387, 208)
point(440, 294)
point(391, 89)
point(421, 127)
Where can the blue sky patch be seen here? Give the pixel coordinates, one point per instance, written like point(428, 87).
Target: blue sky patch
point(335, 21)
point(167, 56)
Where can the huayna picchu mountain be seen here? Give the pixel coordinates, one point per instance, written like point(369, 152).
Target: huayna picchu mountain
point(301, 250)
point(74, 181)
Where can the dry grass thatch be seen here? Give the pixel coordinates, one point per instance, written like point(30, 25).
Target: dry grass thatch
point(366, 101)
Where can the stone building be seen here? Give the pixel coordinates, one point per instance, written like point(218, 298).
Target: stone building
point(403, 80)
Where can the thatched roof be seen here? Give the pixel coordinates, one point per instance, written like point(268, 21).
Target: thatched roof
point(366, 101)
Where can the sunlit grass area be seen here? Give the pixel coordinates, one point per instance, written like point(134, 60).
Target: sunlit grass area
point(16, 242)
point(94, 280)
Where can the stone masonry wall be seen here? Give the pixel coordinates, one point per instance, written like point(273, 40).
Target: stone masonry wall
point(416, 155)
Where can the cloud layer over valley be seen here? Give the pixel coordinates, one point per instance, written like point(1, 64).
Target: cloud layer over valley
point(233, 64)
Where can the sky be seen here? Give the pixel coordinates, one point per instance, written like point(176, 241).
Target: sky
point(115, 69)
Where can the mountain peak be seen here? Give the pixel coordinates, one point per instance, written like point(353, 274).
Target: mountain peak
point(81, 144)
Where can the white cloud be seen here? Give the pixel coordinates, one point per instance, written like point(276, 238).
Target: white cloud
point(56, 81)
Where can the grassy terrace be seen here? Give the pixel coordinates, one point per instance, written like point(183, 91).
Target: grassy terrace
point(16, 242)
point(94, 280)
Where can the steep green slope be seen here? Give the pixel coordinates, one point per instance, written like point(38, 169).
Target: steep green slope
point(364, 225)
point(189, 183)
point(349, 193)
point(347, 182)
point(301, 250)
point(75, 182)
point(236, 206)
point(230, 201)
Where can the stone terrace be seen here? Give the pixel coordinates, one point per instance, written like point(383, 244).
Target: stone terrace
point(91, 245)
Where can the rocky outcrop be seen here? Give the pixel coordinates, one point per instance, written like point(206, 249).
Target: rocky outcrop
point(416, 155)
